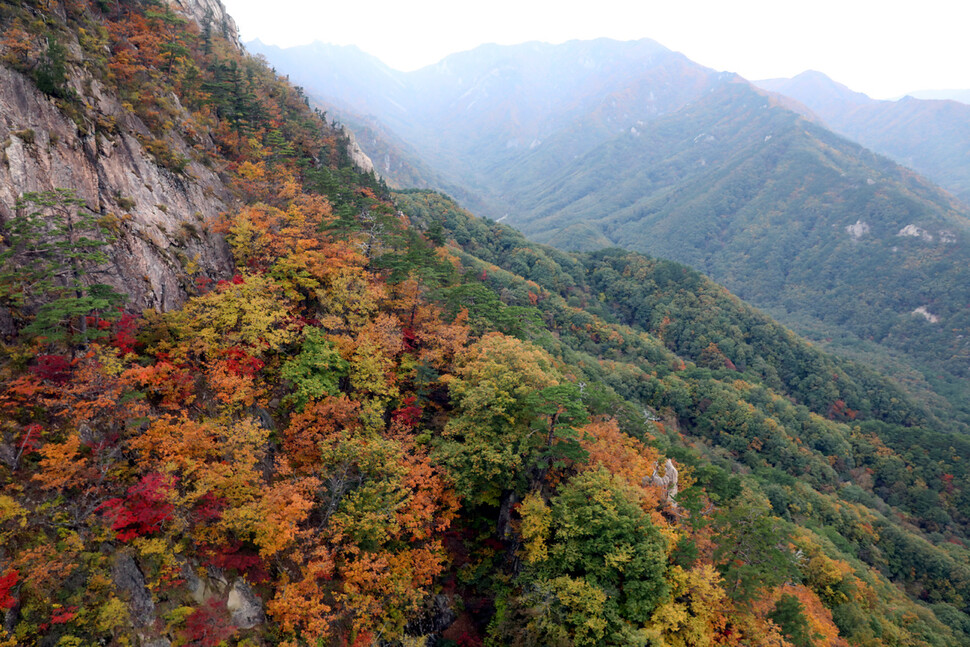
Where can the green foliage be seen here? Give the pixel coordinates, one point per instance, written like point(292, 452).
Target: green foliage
point(316, 371)
point(51, 73)
point(752, 548)
point(604, 573)
point(601, 534)
point(788, 614)
point(490, 444)
point(51, 246)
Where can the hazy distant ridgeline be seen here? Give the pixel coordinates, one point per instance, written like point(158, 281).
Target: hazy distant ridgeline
point(930, 134)
point(475, 113)
point(590, 144)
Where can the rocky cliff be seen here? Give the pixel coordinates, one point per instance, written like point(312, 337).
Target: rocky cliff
point(209, 13)
point(162, 218)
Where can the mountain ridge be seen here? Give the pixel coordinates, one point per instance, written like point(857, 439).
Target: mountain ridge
point(928, 135)
point(583, 186)
point(388, 422)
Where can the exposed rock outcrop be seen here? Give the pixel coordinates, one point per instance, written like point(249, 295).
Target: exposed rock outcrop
point(130, 582)
point(163, 218)
point(359, 157)
point(245, 607)
point(667, 482)
point(211, 13)
point(859, 229)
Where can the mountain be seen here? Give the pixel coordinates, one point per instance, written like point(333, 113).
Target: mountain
point(384, 421)
point(351, 78)
point(963, 96)
point(931, 135)
point(474, 112)
point(782, 212)
point(673, 159)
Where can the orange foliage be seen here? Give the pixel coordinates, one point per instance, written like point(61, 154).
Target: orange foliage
point(819, 617)
point(318, 422)
point(627, 458)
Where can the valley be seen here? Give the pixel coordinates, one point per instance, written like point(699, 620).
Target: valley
point(260, 388)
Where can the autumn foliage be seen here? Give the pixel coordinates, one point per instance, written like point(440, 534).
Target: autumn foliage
point(363, 435)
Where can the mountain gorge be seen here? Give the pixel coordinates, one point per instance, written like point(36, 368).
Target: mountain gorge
point(474, 113)
point(672, 159)
point(361, 416)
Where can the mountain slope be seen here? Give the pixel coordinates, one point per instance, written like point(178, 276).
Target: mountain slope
point(785, 214)
point(473, 113)
point(929, 136)
point(390, 423)
point(714, 174)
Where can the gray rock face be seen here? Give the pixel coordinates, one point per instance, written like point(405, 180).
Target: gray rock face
point(439, 614)
point(202, 589)
point(130, 582)
point(209, 12)
point(157, 642)
point(162, 218)
point(667, 482)
point(245, 607)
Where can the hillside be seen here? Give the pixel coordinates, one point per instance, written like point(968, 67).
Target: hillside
point(929, 135)
point(787, 216)
point(473, 113)
point(388, 422)
point(674, 160)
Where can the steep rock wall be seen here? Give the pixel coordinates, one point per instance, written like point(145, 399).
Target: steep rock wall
point(163, 219)
point(209, 12)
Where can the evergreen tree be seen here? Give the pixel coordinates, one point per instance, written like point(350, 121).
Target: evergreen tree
point(49, 249)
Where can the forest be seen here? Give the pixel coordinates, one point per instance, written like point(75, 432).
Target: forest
point(394, 423)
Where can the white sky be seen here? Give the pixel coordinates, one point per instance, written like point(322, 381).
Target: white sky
point(884, 48)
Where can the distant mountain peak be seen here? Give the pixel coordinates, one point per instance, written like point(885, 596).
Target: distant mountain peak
point(819, 85)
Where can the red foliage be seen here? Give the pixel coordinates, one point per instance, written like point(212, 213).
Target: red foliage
point(63, 616)
point(237, 279)
point(233, 556)
point(840, 411)
point(30, 440)
point(125, 329)
point(144, 508)
point(947, 483)
point(409, 338)
point(299, 322)
point(363, 639)
point(53, 368)
point(7, 582)
point(241, 363)
point(210, 507)
point(207, 626)
point(409, 414)
point(202, 284)
point(95, 321)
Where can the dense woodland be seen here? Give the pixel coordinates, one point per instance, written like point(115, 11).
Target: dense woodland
point(397, 424)
point(589, 144)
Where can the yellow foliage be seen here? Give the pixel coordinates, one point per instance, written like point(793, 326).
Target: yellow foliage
point(12, 515)
point(251, 313)
point(694, 612)
point(112, 613)
point(536, 523)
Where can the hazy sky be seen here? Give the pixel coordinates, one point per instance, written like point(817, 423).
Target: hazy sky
point(883, 48)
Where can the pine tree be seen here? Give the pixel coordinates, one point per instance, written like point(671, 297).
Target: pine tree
point(48, 250)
